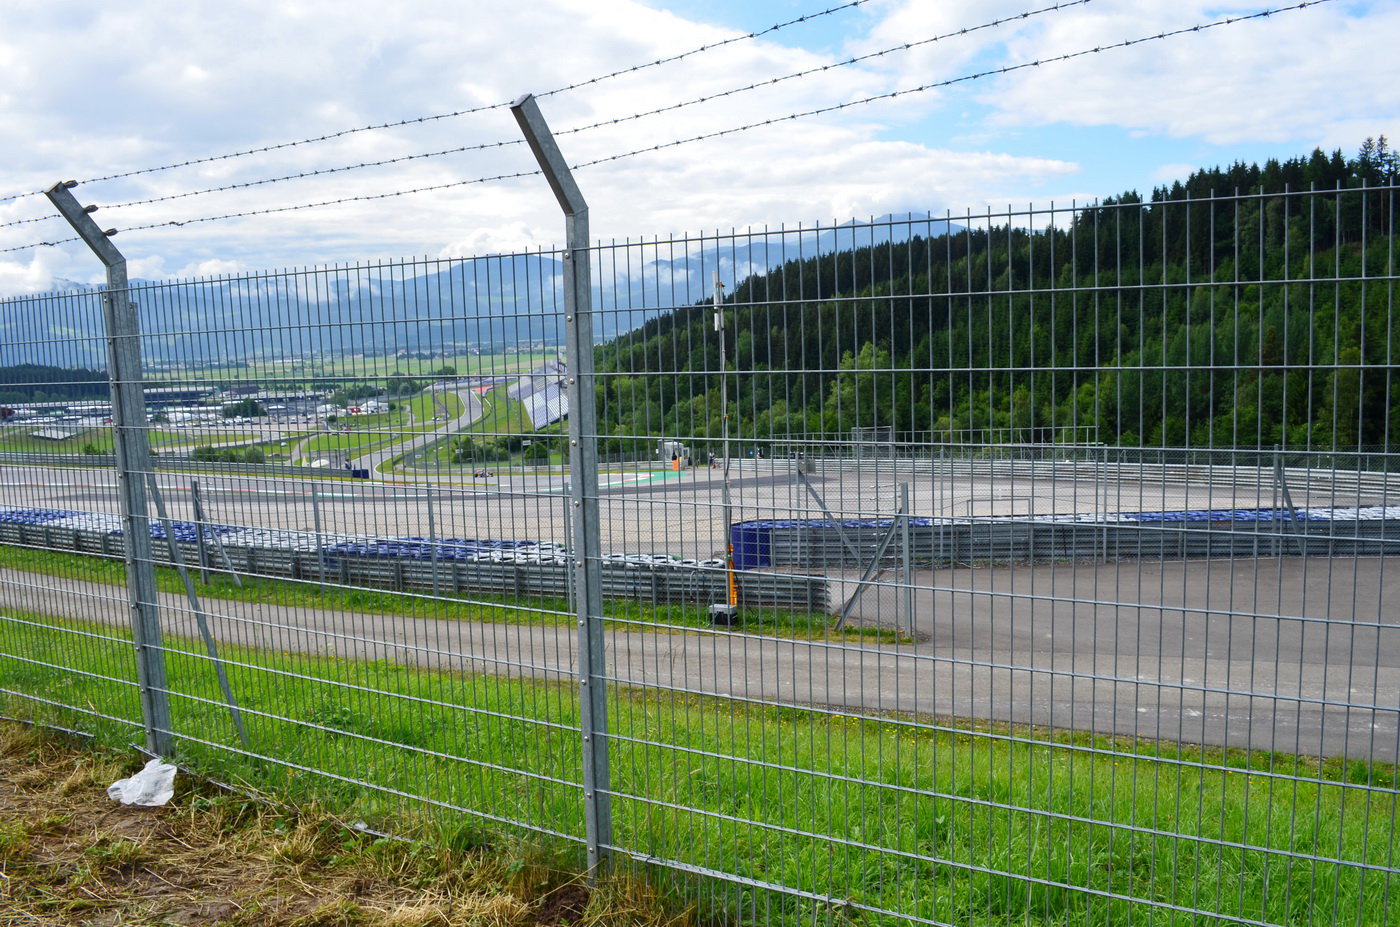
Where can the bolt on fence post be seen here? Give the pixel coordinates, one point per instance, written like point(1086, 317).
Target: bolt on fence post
point(133, 448)
point(583, 480)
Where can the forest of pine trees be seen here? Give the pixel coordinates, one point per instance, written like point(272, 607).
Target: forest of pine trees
point(41, 383)
point(1245, 307)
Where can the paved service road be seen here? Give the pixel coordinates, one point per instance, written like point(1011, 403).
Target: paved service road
point(642, 509)
point(1300, 655)
point(1188, 653)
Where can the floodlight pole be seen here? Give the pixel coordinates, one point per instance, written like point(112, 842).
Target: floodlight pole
point(133, 465)
point(583, 480)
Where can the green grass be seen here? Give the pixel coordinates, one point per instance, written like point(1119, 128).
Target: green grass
point(425, 408)
point(313, 373)
point(931, 819)
point(357, 442)
point(212, 437)
point(372, 432)
point(502, 416)
point(100, 440)
point(415, 416)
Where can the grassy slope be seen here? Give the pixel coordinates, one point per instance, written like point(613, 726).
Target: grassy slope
point(19, 440)
point(1192, 827)
point(209, 857)
point(376, 368)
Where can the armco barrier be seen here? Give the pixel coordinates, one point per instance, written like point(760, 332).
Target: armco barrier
point(415, 564)
point(169, 462)
point(1191, 534)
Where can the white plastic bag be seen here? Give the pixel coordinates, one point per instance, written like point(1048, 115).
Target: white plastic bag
point(154, 785)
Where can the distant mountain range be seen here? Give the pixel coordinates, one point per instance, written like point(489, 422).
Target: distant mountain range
point(440, 307)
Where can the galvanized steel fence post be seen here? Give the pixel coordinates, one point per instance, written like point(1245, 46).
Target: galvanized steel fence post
point(907, 576)
point(726, 522)
point(583, 479)
point(432, 537)
point(133, 451)
point(320, 538)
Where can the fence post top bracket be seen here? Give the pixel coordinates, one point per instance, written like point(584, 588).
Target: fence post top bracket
point(81, 221)
point(547, 154)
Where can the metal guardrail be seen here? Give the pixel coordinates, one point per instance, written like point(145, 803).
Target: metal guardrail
point(1319, 480)
point(1011, 539)
point(163, 462)
point(1346, 485)
point(58, 460)
point(657, 584)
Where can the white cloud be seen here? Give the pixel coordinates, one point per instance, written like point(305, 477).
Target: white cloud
point(1169, 172)
point(146, 267)
point(1290, 76)
point(506, 238)
point(39, 270)
point(211, 267)
point(194, 83)
point(157, 82)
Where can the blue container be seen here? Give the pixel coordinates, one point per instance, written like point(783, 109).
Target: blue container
point(753, 544)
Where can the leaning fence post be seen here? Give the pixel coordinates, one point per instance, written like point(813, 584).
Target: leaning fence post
point(432, 538)
point(908, 558)
point(583, 478)
point(177, 560)
point(133, 463)
point(320, 539)
point(199, 535)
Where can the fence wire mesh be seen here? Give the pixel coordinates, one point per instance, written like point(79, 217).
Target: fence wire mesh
point(1015, 567)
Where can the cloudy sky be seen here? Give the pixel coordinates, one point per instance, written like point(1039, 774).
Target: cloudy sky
point(90, 89)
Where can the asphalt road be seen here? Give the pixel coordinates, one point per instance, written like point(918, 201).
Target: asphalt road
point(1182, 655)
point(1299, 655)
point(642, 510)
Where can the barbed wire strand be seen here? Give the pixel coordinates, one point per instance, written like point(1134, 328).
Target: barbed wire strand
point(1007, 69)
point(38, 244)
point(906, 46)
point(808, 17)
point(360, 198)
point(314, 173)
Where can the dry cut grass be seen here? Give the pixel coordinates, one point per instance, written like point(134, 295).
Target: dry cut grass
point(70, 855)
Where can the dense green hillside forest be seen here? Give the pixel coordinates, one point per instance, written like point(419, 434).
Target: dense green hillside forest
point(1246, 307)
point(40, 383)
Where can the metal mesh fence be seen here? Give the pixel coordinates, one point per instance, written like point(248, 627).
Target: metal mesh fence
point(1025, 567)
